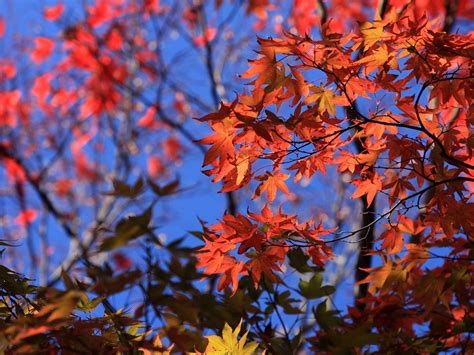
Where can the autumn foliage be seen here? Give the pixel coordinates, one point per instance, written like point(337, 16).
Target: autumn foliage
point(343, 151)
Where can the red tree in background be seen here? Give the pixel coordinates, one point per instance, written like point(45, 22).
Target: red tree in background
point(352, 135)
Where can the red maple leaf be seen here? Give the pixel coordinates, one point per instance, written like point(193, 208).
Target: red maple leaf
point(25, 217)
point(42, 50)
point(54, 12)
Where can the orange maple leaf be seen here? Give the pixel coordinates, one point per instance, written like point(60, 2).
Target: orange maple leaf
point(377, 276)
point(231, 276)
point(392, 241)
point(368, 186)
point(375, 60)
point(265, 68)
point(270, 183)
point(221, 140)
point(266, 262)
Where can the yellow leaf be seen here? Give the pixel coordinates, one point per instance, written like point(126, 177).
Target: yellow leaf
point(374, 61)
point(324, 97)
point(372, 33)
point(229, 342)
point(157, 344)
point(242, 166)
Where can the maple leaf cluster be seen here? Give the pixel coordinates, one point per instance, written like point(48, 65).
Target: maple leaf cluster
point(264, 239)
point(304, 114)
point(405, 146)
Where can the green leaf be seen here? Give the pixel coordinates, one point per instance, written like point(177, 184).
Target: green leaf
point(283, 299)
point(12, 283)
point(127, 230)
point(327, 290)
point(299, 260)
point(87, 306)
point(326, 319)
point(311, 289)
point(67, 280)
point(122, 189)
point(354, 338)
point(168, 189)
